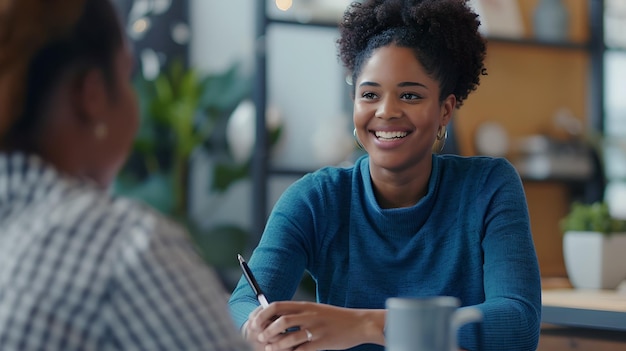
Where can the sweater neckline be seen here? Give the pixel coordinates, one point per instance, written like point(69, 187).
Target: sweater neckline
point(424, 204)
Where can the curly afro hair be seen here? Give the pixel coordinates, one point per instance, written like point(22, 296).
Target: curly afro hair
point(442, 33)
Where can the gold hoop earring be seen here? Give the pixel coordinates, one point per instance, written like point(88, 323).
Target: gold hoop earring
point(357, 141)
point(442, 136)
point(101, 131)
point(442, 133)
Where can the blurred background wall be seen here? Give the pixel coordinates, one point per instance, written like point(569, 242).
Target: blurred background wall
point(538, 105)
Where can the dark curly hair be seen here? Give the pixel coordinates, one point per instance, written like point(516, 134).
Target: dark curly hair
point(442, 33)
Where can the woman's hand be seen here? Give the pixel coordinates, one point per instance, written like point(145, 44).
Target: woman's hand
point(251, 333)
point(305, 326)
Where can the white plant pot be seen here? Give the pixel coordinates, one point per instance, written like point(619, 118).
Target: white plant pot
point(594, 260)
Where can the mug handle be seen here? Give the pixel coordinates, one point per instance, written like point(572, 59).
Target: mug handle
point(460, 317)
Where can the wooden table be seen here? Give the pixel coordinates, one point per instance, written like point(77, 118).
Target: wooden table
point(583, 320)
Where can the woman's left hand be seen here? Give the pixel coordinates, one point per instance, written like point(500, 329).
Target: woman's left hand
point(314, 326)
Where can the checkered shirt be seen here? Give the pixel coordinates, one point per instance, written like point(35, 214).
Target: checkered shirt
point(81, 270)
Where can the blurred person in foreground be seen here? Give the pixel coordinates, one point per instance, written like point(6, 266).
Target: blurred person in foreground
point(80, 269)
point(403, 221)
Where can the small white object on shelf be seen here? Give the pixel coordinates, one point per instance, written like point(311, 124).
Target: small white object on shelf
point(492, 139)
point(500, 18)
point(594, 260)
point(306, 11)
point(551, 21)
point(240, 129)
point(332, 143)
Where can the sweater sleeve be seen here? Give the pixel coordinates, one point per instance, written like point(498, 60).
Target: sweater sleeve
point(285, 248)
point(512, 307)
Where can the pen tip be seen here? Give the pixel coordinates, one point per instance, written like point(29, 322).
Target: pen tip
point(240, 258)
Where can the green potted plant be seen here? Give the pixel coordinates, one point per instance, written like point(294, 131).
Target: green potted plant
point(594, 246)
point(184, 112)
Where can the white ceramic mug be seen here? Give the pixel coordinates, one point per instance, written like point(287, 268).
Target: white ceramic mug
point(425, 324)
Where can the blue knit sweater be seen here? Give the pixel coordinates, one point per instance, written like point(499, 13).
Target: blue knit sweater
point(469, 237)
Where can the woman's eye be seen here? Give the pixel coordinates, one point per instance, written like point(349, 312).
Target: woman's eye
point(410, 96)
point(368, 95)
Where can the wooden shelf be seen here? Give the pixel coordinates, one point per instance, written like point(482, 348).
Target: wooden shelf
point(606, 300)
point(490, 39)
point(619, 50)
point(558, 338)
point(322, 24)
point(540, 43)
point(599, 309)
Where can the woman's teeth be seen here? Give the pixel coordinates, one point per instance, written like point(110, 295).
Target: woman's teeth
point(390, 135)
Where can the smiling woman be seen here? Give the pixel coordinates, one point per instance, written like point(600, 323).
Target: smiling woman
point(398, 116)
point(455, 226)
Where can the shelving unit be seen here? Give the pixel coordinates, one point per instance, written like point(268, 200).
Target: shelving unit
point(261, 169)
point(596, 51)
point(298, 23)
point(261, 166)
point(560, 45)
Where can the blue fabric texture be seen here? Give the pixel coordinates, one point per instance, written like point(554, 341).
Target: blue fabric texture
point(469, 237)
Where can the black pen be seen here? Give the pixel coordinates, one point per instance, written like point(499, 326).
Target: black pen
point(252, 281)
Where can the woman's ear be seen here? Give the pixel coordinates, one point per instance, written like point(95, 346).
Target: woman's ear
point(447, 109)
point(90, 96)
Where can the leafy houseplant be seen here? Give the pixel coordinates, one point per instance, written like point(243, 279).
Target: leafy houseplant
point(183, 112)
point(594, 217)
point(594, 246)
